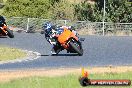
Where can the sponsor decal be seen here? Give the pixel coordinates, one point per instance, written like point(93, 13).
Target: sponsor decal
point(86, 81)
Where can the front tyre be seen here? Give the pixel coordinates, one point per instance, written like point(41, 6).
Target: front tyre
point(77, 48)
point(10, 33)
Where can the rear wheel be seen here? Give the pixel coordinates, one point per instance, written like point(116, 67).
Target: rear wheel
point(84, 81)
point(42, 32)
point(10, 33)
point(2, 33)
point(76, 47)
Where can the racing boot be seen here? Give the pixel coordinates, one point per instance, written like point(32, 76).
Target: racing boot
point(53, 52)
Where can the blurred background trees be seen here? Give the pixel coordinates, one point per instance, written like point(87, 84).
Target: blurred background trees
point(116, 10)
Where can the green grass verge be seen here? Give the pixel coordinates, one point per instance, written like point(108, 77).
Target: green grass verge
point(69, 81)
point(7, 53)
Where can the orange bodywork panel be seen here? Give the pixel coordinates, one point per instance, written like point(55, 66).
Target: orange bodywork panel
point(62, 38)
point(3, 28)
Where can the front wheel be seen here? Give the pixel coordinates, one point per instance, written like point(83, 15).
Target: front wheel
point(10, 33)
point(77, 48)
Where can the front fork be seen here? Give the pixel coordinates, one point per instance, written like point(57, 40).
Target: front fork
point(73, 40)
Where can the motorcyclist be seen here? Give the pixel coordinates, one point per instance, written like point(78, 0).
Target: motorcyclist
point(49, 30)
point(2, 19)
point(50, 33)
point(2, 22)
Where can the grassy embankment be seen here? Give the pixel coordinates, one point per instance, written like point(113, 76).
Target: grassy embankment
point(68, 81)
point(7, 53)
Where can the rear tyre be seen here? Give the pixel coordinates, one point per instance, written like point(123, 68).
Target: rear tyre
point(10, 33)
point(79, 50)
point(2, 33)
point(42, 32)
point(84, 81)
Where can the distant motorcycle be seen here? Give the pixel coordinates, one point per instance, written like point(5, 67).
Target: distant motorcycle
point(5, 31)
point(69, 41)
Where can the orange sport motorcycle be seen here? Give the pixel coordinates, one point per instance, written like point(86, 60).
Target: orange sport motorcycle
point(66, 39)
point(5, 31)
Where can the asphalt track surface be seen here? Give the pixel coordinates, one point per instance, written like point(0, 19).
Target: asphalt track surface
point(98, 51)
